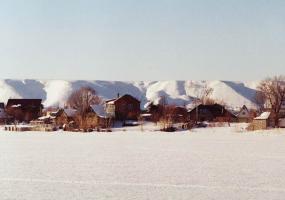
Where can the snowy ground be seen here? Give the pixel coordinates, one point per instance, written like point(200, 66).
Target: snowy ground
point(212, 163)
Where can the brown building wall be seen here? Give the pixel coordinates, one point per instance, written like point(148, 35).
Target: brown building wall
point(127, 108)
point(260, 124)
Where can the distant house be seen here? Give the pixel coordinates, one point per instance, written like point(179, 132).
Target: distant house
point(215, 112)
point(180, 114)
point(103, 120)
point(153, 111)
point(63, 116)
point(24, 109)
point(125, 107)
point(244, 115)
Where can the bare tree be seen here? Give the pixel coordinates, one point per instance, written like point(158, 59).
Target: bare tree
point(203, 94)
point(273, 91)
point(167, 118)
point(82, 100)
point(209, 101)
point(259, 100)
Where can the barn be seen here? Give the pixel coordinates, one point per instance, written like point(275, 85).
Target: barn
point(124, 107)
point(261, 122)
point(214, 112)
point(24, 109)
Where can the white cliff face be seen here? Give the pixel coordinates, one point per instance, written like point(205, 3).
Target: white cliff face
point(56, 92)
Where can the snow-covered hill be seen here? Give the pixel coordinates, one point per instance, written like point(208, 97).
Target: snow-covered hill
point(56, 92)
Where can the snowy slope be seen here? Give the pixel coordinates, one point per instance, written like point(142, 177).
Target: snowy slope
point(56, 92)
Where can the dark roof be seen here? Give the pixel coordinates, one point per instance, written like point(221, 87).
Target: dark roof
point(126, 95)
point(244, 108)
point(216, 110)
point(25, 102)
point(2, 105)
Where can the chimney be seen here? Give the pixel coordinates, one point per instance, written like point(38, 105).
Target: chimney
point(118, 95)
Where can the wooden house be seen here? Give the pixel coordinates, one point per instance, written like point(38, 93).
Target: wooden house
point(180, 114)
point(24, 109)
point(63, 116)
point(214, 112)
point(123, 108)
point(102, 119)
point(244, 115)
point(154, 111)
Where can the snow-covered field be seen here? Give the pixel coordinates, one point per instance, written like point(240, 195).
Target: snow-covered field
point(212, 163)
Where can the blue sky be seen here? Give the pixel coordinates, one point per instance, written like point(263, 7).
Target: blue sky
point(142, 40)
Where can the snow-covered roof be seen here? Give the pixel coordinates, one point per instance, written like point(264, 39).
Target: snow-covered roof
point(16, 106)
point(145, 106)
point(99, 110)
point(70, 112)
point(112, 101)
point(146, 115)
point(46, 117)
point(264, 115)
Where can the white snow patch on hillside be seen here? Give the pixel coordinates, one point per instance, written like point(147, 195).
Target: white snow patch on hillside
point(232, 93)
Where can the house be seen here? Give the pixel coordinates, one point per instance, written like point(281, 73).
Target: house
point(24, 109)
point(261, 122)
point(244, 115)
point(156, 111)
point(153, 111)
point(180, 114)
point(123, 108)
point(63, 116)
point(214, 112)
point(44, 123)
point(103, 120)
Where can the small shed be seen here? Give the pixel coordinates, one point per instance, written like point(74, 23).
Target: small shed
point(261, 122)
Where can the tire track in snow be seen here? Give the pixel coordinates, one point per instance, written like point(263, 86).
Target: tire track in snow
point(155, 185)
